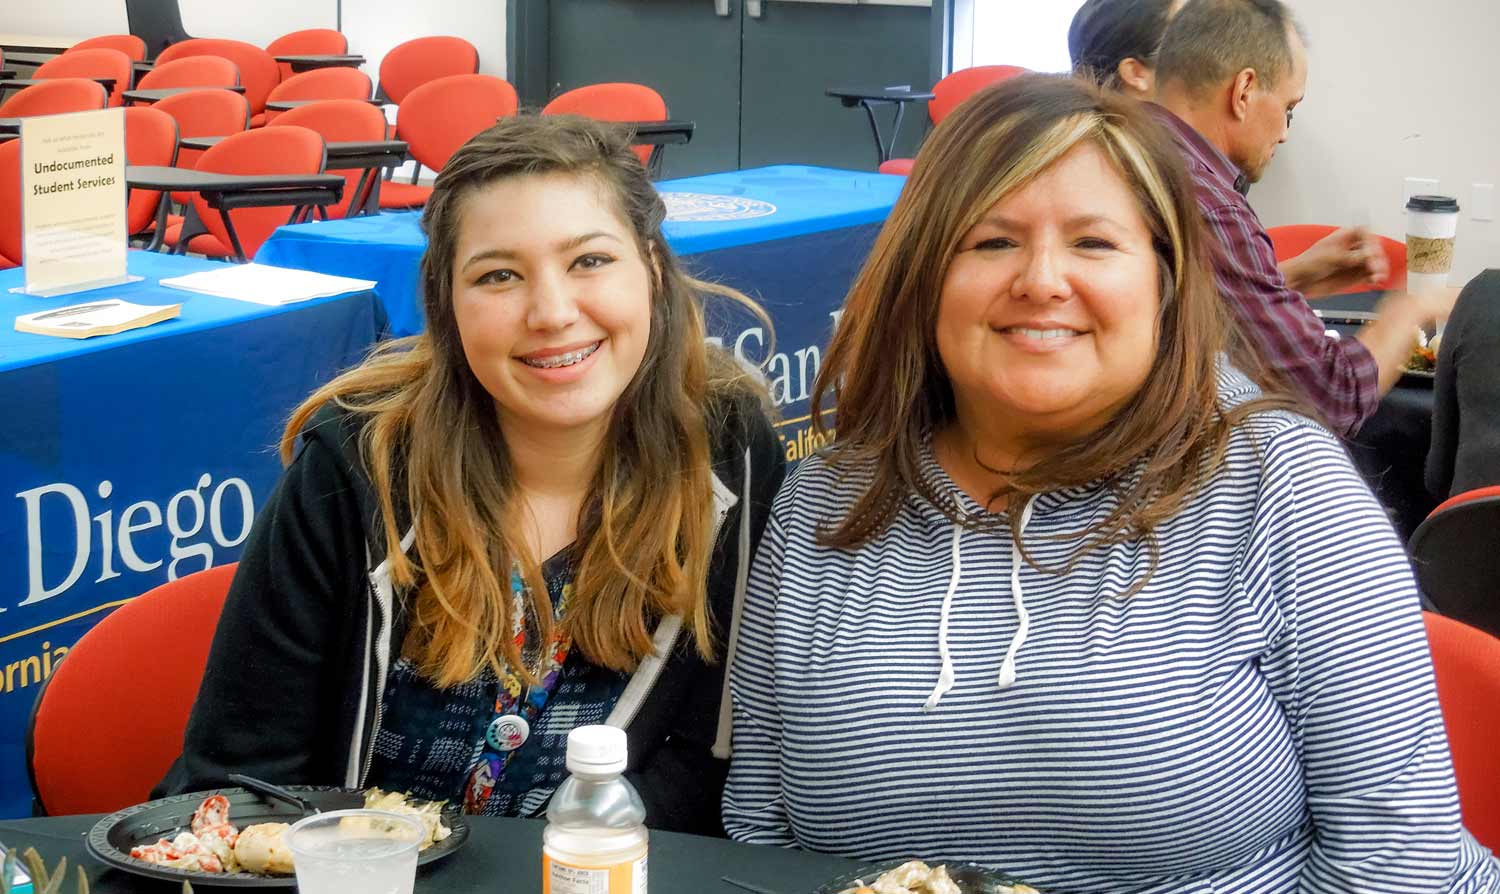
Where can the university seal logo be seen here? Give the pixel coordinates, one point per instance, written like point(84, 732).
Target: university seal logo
point(697, 206)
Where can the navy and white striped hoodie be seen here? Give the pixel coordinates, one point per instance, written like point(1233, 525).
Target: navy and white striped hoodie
point(1260, 718)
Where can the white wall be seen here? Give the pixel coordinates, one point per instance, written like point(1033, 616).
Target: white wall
point(270, 18)
point(375, 26)
point(1395, 89)
point(74, 19)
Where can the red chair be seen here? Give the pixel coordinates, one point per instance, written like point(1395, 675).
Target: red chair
point(129, 44)
point(258, 71)
point(1456, 554)
point(1293, 239)
point(193, 71)
point(150, 139)
point(1466, 663)
point(310, 42)
point(209, 112)
point(10, 204)
point(613, 102)
point(439, 117)
point(411, 64)
point(321, 83)
point(267, 150)
point(56, 97)
point(948, 93)
point(100, 62)
point(100, 689)
point(342, 121)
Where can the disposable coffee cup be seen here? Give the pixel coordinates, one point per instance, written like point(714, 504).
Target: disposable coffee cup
point(1431, 225)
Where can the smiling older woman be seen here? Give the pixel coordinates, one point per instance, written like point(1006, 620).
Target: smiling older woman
point(1069, 596)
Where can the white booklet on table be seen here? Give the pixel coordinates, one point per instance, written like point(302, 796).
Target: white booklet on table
point(263, 284)
point(105, 317)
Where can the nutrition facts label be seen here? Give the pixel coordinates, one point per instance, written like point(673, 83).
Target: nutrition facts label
point(624, 878)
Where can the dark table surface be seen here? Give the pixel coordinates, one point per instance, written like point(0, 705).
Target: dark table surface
point(31, 58)
point(503, 856)
point(161, 93)
point(161, 177)
point(300, 63)
point(23, 83)
point(852, 95)
point(1390, 449)
point(285, 105)
point(335, 150)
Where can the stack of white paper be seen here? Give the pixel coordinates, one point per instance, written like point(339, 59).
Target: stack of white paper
point(262, 284)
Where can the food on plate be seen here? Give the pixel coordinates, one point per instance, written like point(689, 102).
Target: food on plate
point(429, 812)
point(213, 844)
point(261, 849)
point(916, 877)
point(1422, 359)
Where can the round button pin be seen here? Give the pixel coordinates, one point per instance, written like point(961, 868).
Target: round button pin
point(508, 732)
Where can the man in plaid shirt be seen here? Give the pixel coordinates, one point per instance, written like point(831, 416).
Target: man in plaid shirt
point(1228, 77)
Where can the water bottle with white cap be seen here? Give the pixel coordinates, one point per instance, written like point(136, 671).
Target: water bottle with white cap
point(595, 840)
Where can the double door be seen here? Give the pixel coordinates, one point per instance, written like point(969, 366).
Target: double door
point(751, 74)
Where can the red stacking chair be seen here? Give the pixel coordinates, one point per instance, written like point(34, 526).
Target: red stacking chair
point(162, 636)
point(310, 42)
point(55, 97)
point(411, 64)
point(440, 116)
point(613, 102)
point(258, 71)
point(1466, 663)
point(1456, 554)
point(342, 121)
point(322, 83)
point(100, 62)
point(208, 112)
point(948, 93)
point(10, 204)
point(150, 139)
point(268, 150)
point(129, 44)
point(1293, 239)
point(193, 71)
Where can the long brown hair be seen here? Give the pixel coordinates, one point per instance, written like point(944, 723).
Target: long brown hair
point(433, 446)
point(884, 367)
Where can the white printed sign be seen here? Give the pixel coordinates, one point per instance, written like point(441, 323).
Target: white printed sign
point(73, 202)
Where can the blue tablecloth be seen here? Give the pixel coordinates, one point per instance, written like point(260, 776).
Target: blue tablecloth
point(128, 459)
point(792, 237)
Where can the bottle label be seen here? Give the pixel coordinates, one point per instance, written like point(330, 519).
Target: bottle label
point(558, 877)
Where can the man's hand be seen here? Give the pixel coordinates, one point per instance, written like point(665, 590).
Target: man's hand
point(1345, 260)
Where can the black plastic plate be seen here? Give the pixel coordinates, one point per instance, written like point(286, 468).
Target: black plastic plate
point(112, 838)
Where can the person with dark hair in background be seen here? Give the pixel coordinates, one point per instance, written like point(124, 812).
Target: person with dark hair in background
point(1115, 42)
point(1229, 76)
point(1465, 451)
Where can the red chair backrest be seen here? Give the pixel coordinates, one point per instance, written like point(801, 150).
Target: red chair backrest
point(193, 71)
point(612, 102)
point(411, 64)
point(10, 202)
point(442, 115)
point(1456, 554)
point(100, 62)
point(209, 112)
point(150, 139)
point(267, 150)
point(98, 689)
point(1466, 662)
point(129, 44)
point(1291, 240)
point(951, 91)
point(258, 71)
point(340, 121)
point(55, 97)
point(325, 83)
point(309, 42)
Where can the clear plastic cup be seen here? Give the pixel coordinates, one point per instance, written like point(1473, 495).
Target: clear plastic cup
point(364, 851)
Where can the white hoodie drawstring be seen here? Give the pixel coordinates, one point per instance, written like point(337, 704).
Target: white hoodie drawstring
point(946, 675)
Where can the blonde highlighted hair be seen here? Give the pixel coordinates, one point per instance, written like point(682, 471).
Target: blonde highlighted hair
point(883, 364)
point(433, 447)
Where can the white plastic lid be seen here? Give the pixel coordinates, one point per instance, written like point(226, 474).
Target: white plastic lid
point(596, 749)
